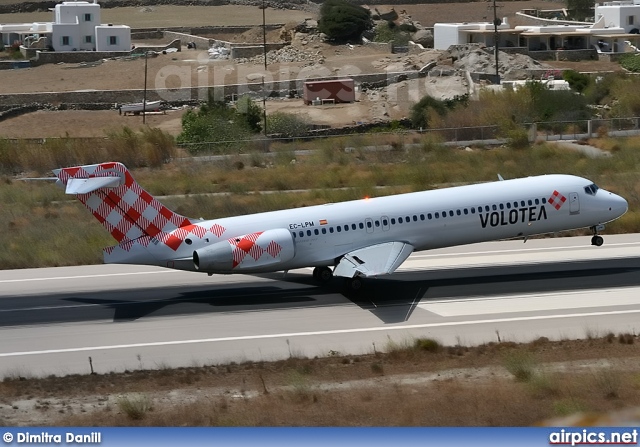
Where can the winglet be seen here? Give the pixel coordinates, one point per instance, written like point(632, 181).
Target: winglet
point(500, 178)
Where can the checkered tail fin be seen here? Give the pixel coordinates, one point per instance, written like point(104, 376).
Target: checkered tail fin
point(119, 203)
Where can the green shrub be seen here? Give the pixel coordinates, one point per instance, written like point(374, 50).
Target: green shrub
point(287, 125)
point(427, 344)
point(577, 81)
point(521, 365)
point(518, 138)
point(135, 406)
point(341, 20)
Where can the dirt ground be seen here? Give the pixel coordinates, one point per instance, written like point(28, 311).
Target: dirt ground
point(467, 386)
point(190, 68)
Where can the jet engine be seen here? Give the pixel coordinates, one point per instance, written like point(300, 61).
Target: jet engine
point(246, 252)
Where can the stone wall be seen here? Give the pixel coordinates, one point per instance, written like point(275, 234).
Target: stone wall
point(201, 42)
point(191, 95)
point(240, 51)
point(71, 57)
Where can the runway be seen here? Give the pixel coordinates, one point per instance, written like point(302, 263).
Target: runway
point(130, 317)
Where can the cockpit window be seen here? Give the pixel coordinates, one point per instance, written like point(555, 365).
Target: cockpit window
point(592, 189)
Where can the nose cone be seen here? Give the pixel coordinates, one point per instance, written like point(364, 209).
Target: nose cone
point(618, 205)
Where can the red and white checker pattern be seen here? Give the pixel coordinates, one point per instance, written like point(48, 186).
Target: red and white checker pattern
point(249, 245)
point(557, 200)
point(129, 212)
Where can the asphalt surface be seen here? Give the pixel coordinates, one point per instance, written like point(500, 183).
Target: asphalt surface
point(123, 317)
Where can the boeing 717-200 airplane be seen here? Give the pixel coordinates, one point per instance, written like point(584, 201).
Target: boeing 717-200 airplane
point(355, 239)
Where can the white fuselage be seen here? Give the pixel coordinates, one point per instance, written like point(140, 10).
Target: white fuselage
point(425, 220)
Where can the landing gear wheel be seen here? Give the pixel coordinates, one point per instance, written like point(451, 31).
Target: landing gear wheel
point(353, 285)
point(597, 240)
point(322, 274)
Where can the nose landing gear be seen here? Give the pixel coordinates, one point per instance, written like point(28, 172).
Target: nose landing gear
point(597, 240)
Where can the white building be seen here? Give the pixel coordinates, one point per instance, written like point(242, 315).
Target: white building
point(75, 27)
point(616, 26)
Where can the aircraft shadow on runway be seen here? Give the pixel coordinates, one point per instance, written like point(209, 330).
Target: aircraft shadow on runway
point(392, 299)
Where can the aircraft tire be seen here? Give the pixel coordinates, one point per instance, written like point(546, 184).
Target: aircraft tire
point(597, 241)
point(353, 285)
point(322, 274)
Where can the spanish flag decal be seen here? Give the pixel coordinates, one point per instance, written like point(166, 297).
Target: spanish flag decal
point(323, 221)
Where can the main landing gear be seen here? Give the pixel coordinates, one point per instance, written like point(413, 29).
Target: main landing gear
point(322, 274)
point(353, 285)
point(597, 240)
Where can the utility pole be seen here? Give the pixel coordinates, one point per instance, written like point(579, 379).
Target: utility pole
point(496, 37)
point(144, 95)
point(264, 48)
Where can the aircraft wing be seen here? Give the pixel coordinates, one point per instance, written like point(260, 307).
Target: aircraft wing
point(376, 260)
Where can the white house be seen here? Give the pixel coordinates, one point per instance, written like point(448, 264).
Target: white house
point(113, 38)
point(75, 27)
point(616, 26)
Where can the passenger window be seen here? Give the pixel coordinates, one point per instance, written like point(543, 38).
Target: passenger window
point(346, 228)
point(437, 215)
point(451, 213)
point(331, 230)
point(339, 228)
point(408, 219)
point(501, 206)
point(368, 224)
point(377, 222)
point(399, 219)
point(494, 207)
point(421, 216)
point(385, 222)
point(487, 209)
point(308, 232)
point(466, 211)
point(393, 221)
point(415, 218)
point(294, 234)
point(522, 203)
point(353, 227)
point(537, 202)
point(508, 205)
point(444, 214)
point(473, 210)
point(458, 212)
point(361, 225)
point(544, 200)
point(316, 232)
point(530, 202)
point(324, 231)
point(429, 216)
point(301, 234)
point(515, 204)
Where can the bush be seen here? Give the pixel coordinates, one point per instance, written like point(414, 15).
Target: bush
point(250, 112)
point(428, 344)
point(389, 32)
point(630, 62)
point(420, 111)
point(135, 406)
point(521, 365)
point(287, 125)
point(518, 138)
point(577, 81)
point(340, 20)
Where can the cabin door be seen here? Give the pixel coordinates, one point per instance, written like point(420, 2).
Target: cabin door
point(574, 203)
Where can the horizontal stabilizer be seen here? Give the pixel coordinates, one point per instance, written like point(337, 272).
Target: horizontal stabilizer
point(87, 185)
point(380, 259)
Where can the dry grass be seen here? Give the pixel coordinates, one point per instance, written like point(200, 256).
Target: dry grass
point(31, 205)
point(426, 388)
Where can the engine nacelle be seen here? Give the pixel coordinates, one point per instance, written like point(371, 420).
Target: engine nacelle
point(250, 251)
